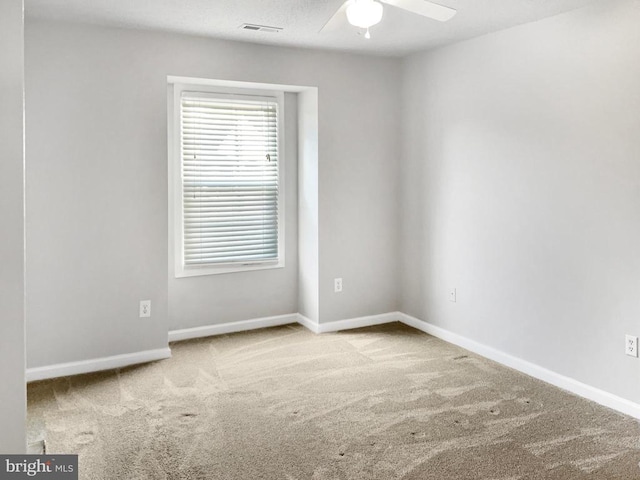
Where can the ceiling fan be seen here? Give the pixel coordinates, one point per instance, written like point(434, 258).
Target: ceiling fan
point(367, 13)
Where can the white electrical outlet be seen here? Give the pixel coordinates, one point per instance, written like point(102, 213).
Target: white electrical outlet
point(452, 295)
point(631, 345)
point(145, 308)
point(337, 285)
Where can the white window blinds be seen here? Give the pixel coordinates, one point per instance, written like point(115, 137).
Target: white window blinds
point(230, 179)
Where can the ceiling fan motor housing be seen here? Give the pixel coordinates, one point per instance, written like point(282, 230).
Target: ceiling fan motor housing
point(364, 13)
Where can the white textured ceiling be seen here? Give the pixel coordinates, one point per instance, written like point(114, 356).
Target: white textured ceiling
point(399, 33)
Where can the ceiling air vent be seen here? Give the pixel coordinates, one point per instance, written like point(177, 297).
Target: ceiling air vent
point(260, 28)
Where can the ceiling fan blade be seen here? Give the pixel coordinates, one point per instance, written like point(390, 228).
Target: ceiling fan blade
point(424, 8)
point(338, 18)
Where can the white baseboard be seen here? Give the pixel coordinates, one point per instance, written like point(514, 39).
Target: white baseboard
point(96, 364)
point(581, 389)
point(350, 323)
point(307, 322)
point(315, 327)
point(232, 327)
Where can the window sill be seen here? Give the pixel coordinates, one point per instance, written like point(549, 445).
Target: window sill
point(223, 269)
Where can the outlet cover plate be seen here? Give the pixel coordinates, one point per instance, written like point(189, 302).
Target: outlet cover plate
point(453, 295)
point(145, 308)
point(631, 345)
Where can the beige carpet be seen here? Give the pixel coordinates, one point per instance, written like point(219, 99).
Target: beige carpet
point(384, 403)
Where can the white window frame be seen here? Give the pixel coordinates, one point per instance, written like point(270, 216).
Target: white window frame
point(176, 224)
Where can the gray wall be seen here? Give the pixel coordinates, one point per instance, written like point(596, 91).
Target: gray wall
point(358, 191)
point(520, 188)
point(97, 192)
point(97, 188)
point(12, 380)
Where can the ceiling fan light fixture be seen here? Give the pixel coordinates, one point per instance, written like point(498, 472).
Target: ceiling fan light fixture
point(364, 13)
